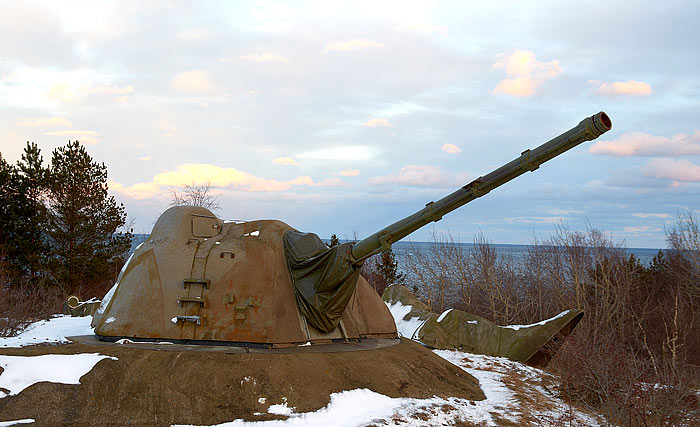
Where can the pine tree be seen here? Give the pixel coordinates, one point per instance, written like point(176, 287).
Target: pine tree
point(83, 219)
point(6, 192)
point(389, 269)
point(32, 183)
point(13, 219)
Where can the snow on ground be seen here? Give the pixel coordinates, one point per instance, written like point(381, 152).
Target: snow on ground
point(51, 331)
point(19, 372)
point(16, 422)
point(514, 396)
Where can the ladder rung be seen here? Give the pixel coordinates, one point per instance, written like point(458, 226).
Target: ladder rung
point(203, 282)
point(183, 300)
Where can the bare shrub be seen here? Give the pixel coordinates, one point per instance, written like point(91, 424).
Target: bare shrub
point(195, 195)
point(684, 239)
point(434, 273)
point(635, 356)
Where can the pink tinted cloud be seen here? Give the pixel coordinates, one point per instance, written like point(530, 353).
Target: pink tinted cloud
point(672, 169)
point(644, 144)
point(377, 122)
point(525, 73)
point(629, 88)
point(451, 149)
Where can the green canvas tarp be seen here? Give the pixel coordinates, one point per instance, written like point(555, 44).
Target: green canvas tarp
point(323, 279)
point(533, 344)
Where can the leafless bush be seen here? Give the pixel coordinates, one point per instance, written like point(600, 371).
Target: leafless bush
point(684, 239)
point(25, 299)
point(195, 195)
point(23, 303)
point(634, 358)
point(436, 274)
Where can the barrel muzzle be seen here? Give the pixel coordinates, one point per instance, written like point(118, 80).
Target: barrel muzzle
point(601, 123)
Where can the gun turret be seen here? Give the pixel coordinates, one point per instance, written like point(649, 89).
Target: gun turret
point(588, 129)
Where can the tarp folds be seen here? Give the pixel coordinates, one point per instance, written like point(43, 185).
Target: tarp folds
point(323, 279)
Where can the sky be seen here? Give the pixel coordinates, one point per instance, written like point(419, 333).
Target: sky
point(343, 117)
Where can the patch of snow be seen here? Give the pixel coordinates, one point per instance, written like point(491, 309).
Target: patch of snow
point(15, 422)
point(52, 331)
point(280, 409)
point(22, 371)
point(473, 322)
point(110, 319)
point(308, 343)
point(234, 221)
point(516, 327)
point(174, 320)
point(217, 243)
point(253, 233)
point(406, 327)
point(444, 313)
point(124, 341)
point(501, 400)
point(108, 296)
point(262, 400)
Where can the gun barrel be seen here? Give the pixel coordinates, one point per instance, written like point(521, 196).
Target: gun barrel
point(588, 129)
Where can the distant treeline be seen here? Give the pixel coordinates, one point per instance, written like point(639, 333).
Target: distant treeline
point(61, 232)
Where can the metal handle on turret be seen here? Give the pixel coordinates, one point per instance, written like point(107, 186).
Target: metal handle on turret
point(588, 129)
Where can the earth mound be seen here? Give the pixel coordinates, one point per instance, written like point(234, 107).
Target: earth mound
point(168, 385)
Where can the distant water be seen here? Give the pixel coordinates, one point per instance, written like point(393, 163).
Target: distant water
point(405, 248)
point(517, 252)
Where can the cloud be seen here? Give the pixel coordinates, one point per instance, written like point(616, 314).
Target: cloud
point(644, 144)
point(416, 176)
point(525, 73)
point(671, 169)
point(284, 161)
point(342, 152)
point(145, 158)
point(349, 172)
point(643, 229)
point(264, 57)
point(195, 82)
point(72, 133)
point(354, 44)
point(224, 177)
point(534, 220)
point(651, 215)
point(420, 28)
point(630, 88)
point(451, 149)
point(86, 137)
point(332, 182)
point(72, 93)
point(377, 122)
point(137, 191)
point(565, 211)
point(44, 122)
point(231, 178)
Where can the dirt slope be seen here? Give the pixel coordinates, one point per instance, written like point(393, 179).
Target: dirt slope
point(160, 387)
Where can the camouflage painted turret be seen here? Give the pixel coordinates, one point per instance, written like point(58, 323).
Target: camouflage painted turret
point(200, 279)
